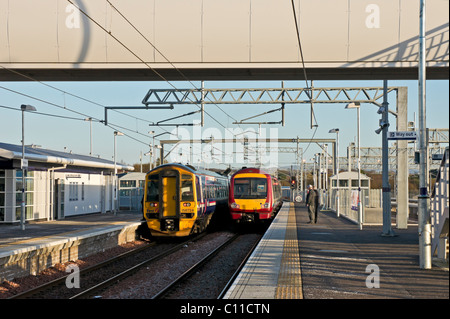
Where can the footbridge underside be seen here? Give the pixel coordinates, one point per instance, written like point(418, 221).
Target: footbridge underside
point(79, 40)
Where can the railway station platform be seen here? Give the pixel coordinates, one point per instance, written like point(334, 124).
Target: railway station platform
point(43, 244)
point(333, 259)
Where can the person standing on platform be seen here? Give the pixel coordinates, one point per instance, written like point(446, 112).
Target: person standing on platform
point(312, 202)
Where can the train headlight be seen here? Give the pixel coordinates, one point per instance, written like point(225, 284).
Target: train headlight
point(266, 205)
point(170, 224)
point(235, 206)
point(186, 204)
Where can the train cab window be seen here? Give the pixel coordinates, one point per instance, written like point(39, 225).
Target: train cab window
point(153, 188)
point(187, 191)
point(250, 188)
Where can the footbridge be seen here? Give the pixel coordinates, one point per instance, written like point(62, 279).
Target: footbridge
point(80, 40)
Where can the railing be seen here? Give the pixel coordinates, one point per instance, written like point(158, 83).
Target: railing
point(439, 211)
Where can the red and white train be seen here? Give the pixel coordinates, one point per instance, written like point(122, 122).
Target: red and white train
point(254, 196)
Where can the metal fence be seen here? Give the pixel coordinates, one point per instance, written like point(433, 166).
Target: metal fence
point(371, 203)
point(130, 199)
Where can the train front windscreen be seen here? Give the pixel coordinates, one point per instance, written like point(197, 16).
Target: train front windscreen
point(250, 188)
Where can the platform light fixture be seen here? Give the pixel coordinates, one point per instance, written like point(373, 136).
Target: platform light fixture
point(336, 130)
point(357, 106)
point(90, 134)
point(24, 164)
point(116, 133)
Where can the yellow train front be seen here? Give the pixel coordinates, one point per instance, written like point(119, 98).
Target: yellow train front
point(181, 200)
point(255, 196)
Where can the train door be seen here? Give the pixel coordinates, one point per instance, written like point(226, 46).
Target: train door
point(169, 196)
point(58, 196)
point(200, 201)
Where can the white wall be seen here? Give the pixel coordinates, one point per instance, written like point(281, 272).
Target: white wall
point(83, 193)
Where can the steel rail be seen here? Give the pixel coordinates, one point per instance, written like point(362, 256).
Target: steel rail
point(193, 269)
point(238, 270)
point(58, 281)
point(111, 281)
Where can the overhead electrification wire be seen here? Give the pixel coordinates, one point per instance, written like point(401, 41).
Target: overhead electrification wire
point(141, 60)
point(157, 50)
point(65, 108)
point(68, 93)
point(136, 56)
point(113, 126)
point(45, 114)
point(300, 47)
point(70, 110)
point(310, 95)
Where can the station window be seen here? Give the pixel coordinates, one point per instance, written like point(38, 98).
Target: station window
point(73, 191)
point(343, 183)
point(127, 183)
point(29, 182)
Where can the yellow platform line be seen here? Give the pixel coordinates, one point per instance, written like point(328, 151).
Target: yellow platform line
point(289, 279)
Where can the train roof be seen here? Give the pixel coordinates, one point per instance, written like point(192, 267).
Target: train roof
point(250, 170)
point(192, 169)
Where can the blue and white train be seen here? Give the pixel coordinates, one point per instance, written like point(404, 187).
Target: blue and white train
point(180, 200)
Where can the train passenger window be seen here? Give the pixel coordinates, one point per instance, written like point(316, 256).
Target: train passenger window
point(187, 191)
point(197, 184)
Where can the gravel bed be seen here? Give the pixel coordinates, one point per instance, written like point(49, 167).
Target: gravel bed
point(19, 285)
point(209, 281)
point(149, 281)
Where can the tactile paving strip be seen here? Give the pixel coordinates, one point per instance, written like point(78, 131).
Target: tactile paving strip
point(289, 279)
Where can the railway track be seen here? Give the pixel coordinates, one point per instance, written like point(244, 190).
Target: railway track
point(50, 289)
point(41, 290)
point(108, 280)
point(212, 276)
point(92, 291)
point(166, 291)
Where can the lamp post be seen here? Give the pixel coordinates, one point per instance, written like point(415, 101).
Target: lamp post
point(90, 134)
point(336, 130)
point(151, 151)
point(425, 260)
point(116, 133)
point(356, 105)
point(24, 164)
point(384, 126)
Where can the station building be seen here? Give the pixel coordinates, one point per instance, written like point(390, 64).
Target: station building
point(58, 184)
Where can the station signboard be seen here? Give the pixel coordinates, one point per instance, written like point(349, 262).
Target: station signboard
point(402, 135)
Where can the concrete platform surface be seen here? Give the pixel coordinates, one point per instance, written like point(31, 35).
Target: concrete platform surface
point(333, 259)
